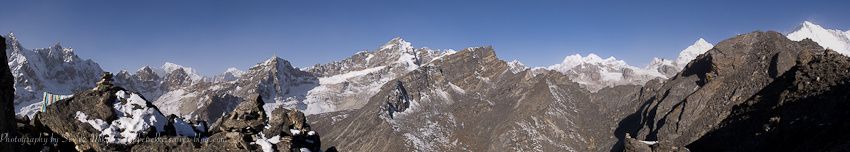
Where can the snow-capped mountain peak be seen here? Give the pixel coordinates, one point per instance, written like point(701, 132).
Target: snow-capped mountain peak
point(398, 43)
point(595, 73)
point(234, 71)
point(516, 66)
point(275, 62)
point(828, 38)
point(54, 69)
point(191, 73)
point(690, 53)
point(576, 60)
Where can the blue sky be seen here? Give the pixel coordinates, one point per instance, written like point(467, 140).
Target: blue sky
point(211, 36)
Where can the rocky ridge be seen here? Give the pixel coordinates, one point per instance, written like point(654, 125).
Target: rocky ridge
point(743, 94)
point(480, 106)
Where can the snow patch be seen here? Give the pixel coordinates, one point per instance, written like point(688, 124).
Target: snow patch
point(95, 123)
point(266, 143)
point(456, 88)
point(344, 77)
point(134, 117)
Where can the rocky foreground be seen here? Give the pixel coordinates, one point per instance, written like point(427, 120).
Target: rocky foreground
point(111, 118)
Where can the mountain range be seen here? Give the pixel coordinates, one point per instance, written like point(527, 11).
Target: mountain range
point(401, 98)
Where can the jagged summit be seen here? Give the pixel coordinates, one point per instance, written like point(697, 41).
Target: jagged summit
point(274, 60)
point(517, 66)
point(191, 74)
point(397, 42)
point(11, 37)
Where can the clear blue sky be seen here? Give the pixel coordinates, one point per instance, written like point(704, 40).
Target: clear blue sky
point(214, 35)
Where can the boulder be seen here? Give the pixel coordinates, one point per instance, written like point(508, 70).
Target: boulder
point(248, 117)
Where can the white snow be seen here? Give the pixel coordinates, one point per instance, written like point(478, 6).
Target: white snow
point(406, 53)
point(658, 64)
point(171, 67)
point(397, 43)
point(131, 122)
point(170, 102)
point(134, 117)
point(369, 58)
point(266, 143)
point(836, 40)
point(691, 53)
point(344, 77)
point(456, 88)
point(54, 69)
point(574, 60)
point(234, 71)
point(595, 72)
point(649, 142)
point(29, 110)
point(516, 66)
point(95, 123)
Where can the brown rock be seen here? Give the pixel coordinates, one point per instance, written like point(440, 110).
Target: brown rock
point(248, 117)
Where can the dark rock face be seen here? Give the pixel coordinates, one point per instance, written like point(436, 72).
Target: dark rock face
point(398, 100)
point(755, 92)
point(7, 96)
point(804, 109)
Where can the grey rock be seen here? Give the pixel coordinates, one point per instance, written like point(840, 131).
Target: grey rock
point(248, 117)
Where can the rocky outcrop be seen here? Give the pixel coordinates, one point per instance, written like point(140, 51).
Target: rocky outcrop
point(247, 128)
point(248, 117)
point(754, 92)
point(398, 100)
point(804, 109)
point(108, 118)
